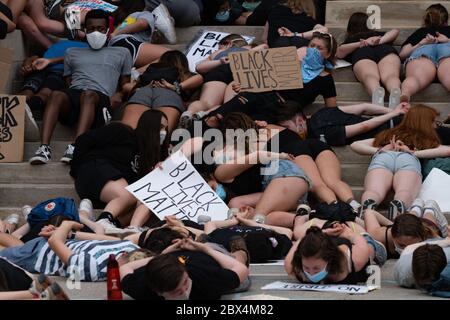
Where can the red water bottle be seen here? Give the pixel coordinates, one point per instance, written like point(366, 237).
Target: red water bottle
point(113, 279)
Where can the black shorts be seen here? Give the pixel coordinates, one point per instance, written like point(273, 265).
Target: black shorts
point(102, 110)
point(132, 44)
point(331, 123)
point(52, 80)
point(93, 176)
point(375, 54)
point(313, 147)
point(221, 73)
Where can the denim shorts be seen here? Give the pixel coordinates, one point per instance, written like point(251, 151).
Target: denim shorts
point(282, 169)
point(395, 161)
point(26, 255)
point(434, 52)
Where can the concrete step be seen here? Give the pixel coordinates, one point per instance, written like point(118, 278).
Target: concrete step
point(354, 174)
point(354, 91)
point(347, 156)
point(53, 173)
point(58, 148)
point(392, 13)
point(17, 195)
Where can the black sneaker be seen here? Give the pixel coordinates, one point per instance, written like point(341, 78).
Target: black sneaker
point(42, 155)
point(367, 204)
point(302, 210)
point(68, 154)
point(396, 207)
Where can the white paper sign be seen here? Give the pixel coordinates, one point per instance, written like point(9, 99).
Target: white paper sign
point(204, 45)
point(337, 288)
point(342, 64)
point(435, 187)
point(178, 189)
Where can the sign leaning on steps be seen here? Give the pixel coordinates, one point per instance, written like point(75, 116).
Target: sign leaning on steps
point(336, 288)
point(205, 43)
point(267, 70)
point(12, 128)
point(178, 189)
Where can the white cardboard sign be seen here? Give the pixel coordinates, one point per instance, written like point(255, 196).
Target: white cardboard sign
point(435, 187)
point(205, 44)
point(337, 288)
point(178, 189)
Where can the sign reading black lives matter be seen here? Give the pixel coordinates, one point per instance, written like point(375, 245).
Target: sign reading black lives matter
point(178, 189)
point(267, 70)
point(12, 126)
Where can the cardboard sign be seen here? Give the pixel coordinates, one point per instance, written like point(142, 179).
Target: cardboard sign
point(178, 189)
point(267, 70)
point(6, 58)
point(337, 288)
point(205, 44)
point(12, 126)
point(435, 187)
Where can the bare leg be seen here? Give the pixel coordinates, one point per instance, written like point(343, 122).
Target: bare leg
point(243, 201)
point(319, 188)
point(443, 73)
point(420, 73)
point(58, 105)
point(35, 9)
point(172, 114)
point(407, 185)
point(149, 53)
point(330, 171)
point(366, 71)
point(16, 7)
point(7, 240)
point(389, 68)
point(281, 219)
point(212, 95)
point(229, 93)
point(132, 114)
point(118, 199)
point(88, 102)
point(16, 295)
point(32, 32)
point(377, 184)
point(140, 216)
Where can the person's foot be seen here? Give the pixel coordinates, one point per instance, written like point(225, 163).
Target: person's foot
point(378, 96)
point(42, 155)
point(185, 120)
point(380, 252)
point(165, 23)
point(439, 217)
point(203, 219)
point(237, 243)
point(302, 210)
point(86, 206)
point(259, 218)
point(40, 284)
point(417, 207)
point(396, 207)
point(367, 204)
point(68, 154)
point(26, 209)
point(31, 127)
point(198, 115)
point(108, 225)
point(54, 292)
point(394, 98)
point(73, 23)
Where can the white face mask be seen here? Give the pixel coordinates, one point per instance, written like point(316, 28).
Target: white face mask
point(97, 39)
point(184, 296)
point(162, 137)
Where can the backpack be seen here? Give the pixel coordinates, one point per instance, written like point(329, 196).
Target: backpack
point(338, 211)
point(53, 207)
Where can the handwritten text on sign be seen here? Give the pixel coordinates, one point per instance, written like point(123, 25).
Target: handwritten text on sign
point(339, 288)
point(267, 70)
point(178, 189)
point(12, 113)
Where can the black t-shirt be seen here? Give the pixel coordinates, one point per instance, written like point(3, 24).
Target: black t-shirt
point(421, 33)
point(320, 86)
point(209, 280)
point(249, 181)
point(114, 142)
point(444, 135)
point(282, 16)
point(223, 236)
point(261, 13)
point(16, 279)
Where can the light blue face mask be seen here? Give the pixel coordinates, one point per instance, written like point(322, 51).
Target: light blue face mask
point(220, 190)
point(223, 16)
point(250, 6)
point(318, 276)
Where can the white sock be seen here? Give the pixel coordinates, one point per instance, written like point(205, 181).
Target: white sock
point(355, 204)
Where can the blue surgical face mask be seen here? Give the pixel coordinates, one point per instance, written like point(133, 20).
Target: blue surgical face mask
point(223, 16)
point(316, 278)
point(220, 190)
point(250, 6)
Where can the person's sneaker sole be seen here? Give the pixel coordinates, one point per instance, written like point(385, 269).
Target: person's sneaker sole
point(65, 160)
point(38, 161)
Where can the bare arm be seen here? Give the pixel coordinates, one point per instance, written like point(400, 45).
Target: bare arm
point(288, 260)
point(360, 248)
point(364, 147)
point(57, 240)
point(369, 124)
point(192, 83)
point(373, 227)
point(441, 151)
point(213, 225)
point(227, 172)
point(390, 36)
point(207, 65)
point(346, 49)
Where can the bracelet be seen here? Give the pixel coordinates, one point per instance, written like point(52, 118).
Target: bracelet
point(72, 235)
point(177, 86)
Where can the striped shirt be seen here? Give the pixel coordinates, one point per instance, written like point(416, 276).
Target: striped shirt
point(88, 261)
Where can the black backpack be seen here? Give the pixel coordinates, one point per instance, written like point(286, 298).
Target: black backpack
point(338, 211)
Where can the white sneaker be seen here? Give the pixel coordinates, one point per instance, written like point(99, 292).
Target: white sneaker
point(417, 207)
point(394, 98)
point(378, 96)
point(165, 23)
point(42, 155)
point(112, 230)
point(31, 127)
point(136, 229)
point(12, 219)
point(86, 206)
point(26, 211)
point(439, 217)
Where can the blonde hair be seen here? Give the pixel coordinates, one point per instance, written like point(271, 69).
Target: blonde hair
point(299, 6)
